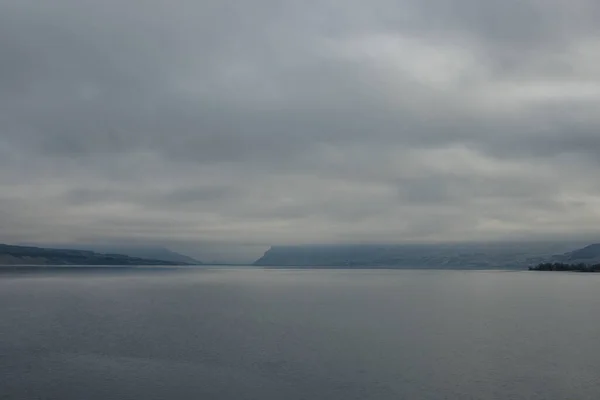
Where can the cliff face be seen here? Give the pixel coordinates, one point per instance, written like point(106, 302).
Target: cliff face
point(22, 255)
point(322, 255)
point(467, 256)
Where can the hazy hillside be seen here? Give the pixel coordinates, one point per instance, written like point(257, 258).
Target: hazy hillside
point(587, 255)
point(156, 253)
point(26, 255)
point(138, 251)
point(463, 256)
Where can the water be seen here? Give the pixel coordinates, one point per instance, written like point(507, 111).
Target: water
point(285, 334)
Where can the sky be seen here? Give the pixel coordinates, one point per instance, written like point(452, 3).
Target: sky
point(205, 124)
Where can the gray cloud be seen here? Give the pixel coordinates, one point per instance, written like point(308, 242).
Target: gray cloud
point(229, 124)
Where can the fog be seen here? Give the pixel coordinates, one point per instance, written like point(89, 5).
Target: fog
point(238, 125)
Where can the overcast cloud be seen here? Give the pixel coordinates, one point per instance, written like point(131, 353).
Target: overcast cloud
point(222, 122)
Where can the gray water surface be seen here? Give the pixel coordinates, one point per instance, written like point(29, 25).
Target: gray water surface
point(288, 334)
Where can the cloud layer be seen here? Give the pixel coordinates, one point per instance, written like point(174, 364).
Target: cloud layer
point(267, 122)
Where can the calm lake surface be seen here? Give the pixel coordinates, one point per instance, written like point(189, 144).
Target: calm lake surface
point(290, 334)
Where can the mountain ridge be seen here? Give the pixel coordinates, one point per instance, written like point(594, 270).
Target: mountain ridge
point(589, 254)
point(132, 250)
point(31, 255)
point(439, 256)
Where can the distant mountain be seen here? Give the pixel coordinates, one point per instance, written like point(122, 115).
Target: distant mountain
point(157, 253)
point(27, 255)
point(150, 252)
point(438, 256)
point(588, 255)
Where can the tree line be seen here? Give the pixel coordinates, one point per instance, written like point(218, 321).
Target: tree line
point(581, 267)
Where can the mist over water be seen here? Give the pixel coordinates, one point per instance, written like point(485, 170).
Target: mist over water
point(289, 334)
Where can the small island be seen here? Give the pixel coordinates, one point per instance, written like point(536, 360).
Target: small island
point(580, 267)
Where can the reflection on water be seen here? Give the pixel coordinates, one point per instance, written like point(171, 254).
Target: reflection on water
point(289, 334)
